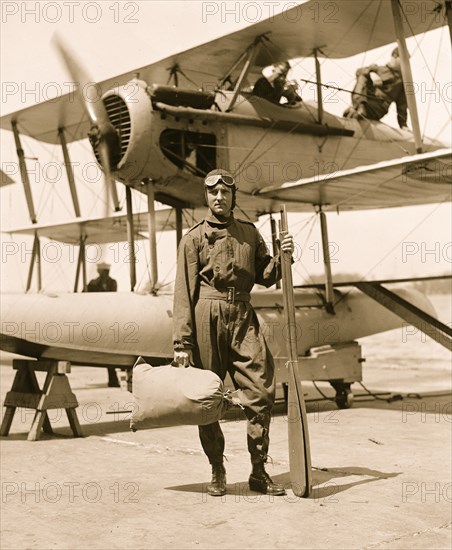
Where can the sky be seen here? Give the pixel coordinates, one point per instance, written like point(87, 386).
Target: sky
point(112, 37)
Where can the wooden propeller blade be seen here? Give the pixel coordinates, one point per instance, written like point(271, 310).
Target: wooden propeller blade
point(299, 447)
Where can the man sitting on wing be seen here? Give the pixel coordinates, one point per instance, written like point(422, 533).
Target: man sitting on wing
point(276, 86)
point(377, 86)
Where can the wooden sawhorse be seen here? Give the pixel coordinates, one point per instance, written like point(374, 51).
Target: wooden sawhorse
point(55, 394)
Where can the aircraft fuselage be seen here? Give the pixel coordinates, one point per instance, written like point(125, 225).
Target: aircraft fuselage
point(264, 144)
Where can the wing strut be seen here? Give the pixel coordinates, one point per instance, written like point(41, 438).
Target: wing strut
point(24, 173)
point(36, 251)
point(318, 78)
point(327, 264)
point(427, 324)
point(251, 56)
point(131, 238)
point(35, 258)
point(81, 264)
point(406, 74)
point(152, 235)
point(69, 172)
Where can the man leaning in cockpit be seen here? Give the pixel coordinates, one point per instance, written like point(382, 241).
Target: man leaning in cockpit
point(275, 86)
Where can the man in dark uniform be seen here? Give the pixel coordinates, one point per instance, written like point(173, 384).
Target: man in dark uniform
point(219, 260)
point(275, 86)
point(376, 88)
point(104, 283)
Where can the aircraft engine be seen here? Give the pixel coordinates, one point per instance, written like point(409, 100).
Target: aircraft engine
point(129, 109)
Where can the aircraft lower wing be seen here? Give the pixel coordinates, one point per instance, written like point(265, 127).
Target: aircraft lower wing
point(109, 229)
point(413, 180)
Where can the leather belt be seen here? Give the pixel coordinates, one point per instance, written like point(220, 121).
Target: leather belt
point(230, 294)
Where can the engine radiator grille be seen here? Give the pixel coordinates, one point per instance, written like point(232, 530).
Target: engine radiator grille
point(119, 116)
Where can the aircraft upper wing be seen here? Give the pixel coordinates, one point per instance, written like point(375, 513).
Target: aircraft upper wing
point(416, 179)
point(108, 229)
point(339, 29)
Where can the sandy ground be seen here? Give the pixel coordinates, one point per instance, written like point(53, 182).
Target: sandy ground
point(382, 476)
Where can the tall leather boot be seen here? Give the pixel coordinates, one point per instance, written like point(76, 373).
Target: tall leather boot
point(261, 482)
point(217, 487)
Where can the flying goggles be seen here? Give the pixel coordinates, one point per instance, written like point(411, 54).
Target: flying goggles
point(211, 181)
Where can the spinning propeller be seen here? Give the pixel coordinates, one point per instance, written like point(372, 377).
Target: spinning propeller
point(102, 135)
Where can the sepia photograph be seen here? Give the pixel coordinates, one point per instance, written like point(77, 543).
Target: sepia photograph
point(225, 302)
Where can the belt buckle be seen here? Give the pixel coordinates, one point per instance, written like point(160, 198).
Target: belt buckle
point(231, 295)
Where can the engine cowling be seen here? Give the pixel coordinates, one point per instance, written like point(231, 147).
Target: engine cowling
point(129, 109)
point(153, 146)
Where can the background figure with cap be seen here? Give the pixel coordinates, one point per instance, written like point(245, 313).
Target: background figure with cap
point(274, 85)
point(377, 86)
point(104, 283)
point(215, 327)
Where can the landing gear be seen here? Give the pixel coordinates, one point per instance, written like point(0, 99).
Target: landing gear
point(339, 365)
point(344, 395)
point(343, 398)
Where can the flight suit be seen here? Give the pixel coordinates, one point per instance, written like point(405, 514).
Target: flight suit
point(218, 265)
point(377, 99)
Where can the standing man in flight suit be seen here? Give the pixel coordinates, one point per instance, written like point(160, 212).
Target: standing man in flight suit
point(215, 327)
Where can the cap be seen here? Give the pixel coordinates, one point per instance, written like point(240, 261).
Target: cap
point(103, 266)
point(395, 52)
point(219, 175)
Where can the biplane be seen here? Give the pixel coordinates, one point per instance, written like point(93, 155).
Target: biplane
point(159, 137)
